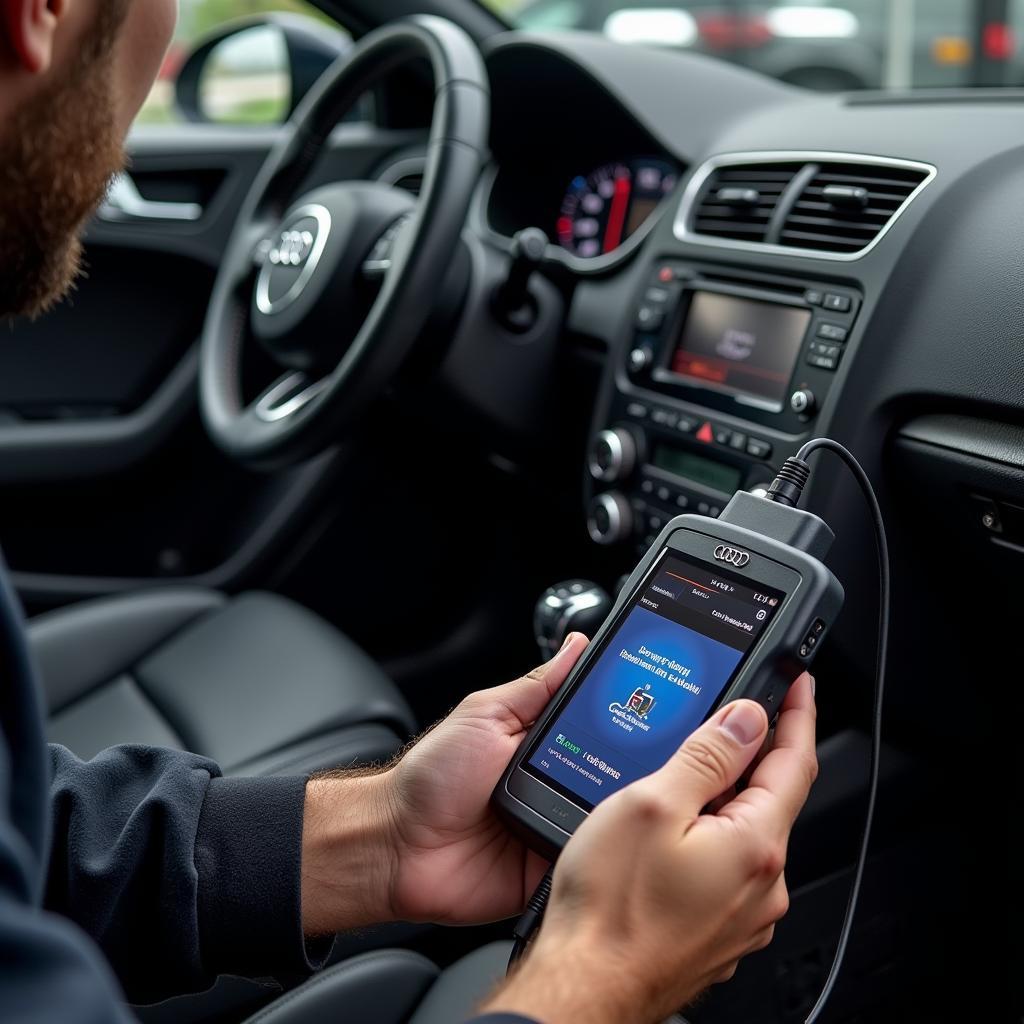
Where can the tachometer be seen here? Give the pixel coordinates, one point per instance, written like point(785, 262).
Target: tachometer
point(601, 211)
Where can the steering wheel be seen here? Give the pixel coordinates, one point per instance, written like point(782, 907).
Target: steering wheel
point(297, 269)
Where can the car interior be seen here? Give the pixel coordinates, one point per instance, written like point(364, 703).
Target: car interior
point(361, 411)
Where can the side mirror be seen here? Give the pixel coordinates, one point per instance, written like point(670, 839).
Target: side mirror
point(256, 70)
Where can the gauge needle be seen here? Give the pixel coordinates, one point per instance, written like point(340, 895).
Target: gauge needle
point(617, 215)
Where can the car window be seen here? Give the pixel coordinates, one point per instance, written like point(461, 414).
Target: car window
point(847, 44)
point(247, 79)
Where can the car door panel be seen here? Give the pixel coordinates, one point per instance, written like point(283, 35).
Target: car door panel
point(109, 480)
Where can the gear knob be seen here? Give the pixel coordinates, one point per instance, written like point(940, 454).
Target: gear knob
point(578, 606)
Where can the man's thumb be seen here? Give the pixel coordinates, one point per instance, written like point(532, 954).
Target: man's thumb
point(717, 754)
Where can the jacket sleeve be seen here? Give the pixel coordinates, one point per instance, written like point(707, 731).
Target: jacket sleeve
point(178, 874)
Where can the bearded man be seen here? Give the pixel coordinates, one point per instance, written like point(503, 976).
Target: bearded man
point(145, 872)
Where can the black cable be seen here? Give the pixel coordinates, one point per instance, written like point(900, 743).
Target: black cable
point(786, 490)
point(876, 717)
point(530, 919)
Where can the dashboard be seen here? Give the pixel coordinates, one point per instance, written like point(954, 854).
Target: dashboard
point(755, 265)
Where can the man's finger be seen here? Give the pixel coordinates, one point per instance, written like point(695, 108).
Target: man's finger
point(525, 698)
point(715, 756)
point(790, 767)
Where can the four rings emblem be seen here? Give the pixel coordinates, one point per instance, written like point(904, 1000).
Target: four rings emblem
point(733, 556)
point(292, 249)
point(292, 258)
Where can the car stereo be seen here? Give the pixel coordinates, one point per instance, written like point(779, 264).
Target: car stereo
point(722, 372)
point(760, 348)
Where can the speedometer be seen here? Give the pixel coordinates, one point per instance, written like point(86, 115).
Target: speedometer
point(600, 211)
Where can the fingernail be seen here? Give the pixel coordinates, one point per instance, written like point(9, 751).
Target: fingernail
point(744, 723)
point(814, 687)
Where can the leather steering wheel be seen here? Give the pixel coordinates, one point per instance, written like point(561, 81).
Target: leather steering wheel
point(297, 269)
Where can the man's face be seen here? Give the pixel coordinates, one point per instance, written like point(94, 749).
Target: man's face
point(62, 130)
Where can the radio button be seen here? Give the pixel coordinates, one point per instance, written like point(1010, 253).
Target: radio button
point(823, 362)
point(682, 501)
point(813, 297)
point(649, 318)
point(758, 448)
point(640, 358)
point(664, 494)
point(723, 435)
point(833, 332)
point(738, 441)
point(656, 296)
point(637, 410)
point(703, 508)
point(647, 486)
point(686, 424)
point(803, 402)
point(838, 303)
point(824, 348)
point(665, 418)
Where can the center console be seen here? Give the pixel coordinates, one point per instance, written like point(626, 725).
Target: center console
point(724, 374)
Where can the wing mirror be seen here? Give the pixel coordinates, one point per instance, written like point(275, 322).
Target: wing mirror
point(256, 70)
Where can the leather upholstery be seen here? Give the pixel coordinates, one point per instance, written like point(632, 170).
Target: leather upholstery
point(80, 647)
point(383, 986)
point(457, 992)
point(392, 986)
point(257, 683)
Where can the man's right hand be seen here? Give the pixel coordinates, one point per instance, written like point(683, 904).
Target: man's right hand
point(653, 900)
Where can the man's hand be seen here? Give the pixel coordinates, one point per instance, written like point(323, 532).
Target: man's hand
point(419, 841)
point(655, 897)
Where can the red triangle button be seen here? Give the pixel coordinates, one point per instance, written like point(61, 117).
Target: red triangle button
point(706, 434)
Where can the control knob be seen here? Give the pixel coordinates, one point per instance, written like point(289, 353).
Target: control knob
point(803, 402)
point(609, 519)
point(612, 455)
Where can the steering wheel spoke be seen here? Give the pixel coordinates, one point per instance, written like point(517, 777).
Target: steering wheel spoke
point(381, 257)
point(286, 396)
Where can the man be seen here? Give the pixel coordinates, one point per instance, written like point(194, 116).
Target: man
point(177, 874)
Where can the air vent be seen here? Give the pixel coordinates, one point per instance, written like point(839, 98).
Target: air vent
point(406, 174)
point(738, 202)
point(846, 206)
point(412, 183)
point(831, 206)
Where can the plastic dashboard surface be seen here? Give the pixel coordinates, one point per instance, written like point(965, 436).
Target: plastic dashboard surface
point(943, 311)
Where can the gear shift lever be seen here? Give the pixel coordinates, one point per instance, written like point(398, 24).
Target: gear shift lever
point(573, 606)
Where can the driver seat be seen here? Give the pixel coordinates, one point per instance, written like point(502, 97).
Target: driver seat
point(256, 682)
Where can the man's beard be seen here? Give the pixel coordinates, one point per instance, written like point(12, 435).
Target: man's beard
point(57, 156)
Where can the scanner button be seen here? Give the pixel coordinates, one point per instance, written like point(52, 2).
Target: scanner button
point(818, 628)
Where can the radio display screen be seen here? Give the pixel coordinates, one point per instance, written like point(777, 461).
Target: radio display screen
point(741, 346)
point(715, 475)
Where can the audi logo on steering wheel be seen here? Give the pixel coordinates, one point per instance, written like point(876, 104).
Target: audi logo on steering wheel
point(733, 556)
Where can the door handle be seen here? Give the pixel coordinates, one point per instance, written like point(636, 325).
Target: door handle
point(124, 202)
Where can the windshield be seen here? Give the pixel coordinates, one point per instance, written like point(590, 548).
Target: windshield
point(855, 44)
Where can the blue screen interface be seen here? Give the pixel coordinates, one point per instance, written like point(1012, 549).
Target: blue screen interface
point(683, 639)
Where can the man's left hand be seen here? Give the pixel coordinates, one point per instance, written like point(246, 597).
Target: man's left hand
point(420, 841)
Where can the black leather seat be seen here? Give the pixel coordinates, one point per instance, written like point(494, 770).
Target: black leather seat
point(255, 682)
point(392, 986)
